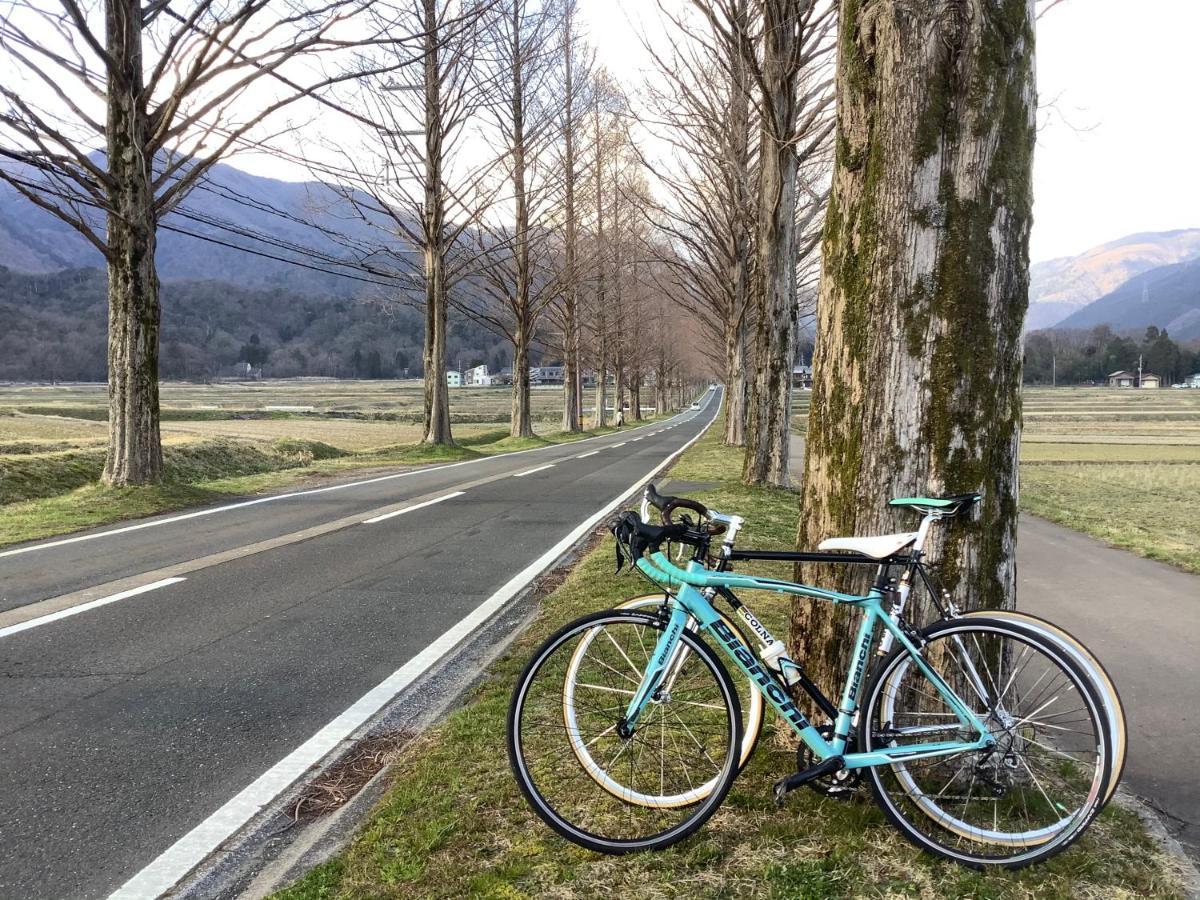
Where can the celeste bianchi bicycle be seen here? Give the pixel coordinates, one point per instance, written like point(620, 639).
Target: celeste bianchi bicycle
point(990, 739)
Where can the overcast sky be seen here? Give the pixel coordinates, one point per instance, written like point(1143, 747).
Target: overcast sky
point(1128, 72)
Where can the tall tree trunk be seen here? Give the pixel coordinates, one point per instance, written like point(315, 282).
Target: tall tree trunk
point(134, 442)
point(923, 292)
point(522, 309)
point(600, 418)
point(635, 397)
point(437, 395)
point(735, 385)
point(572, 386)
point(769, 410)
point(522, 425)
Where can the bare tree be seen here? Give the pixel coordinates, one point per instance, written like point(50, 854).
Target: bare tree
point(923, 290)
point(788, 56)
point(700, 102)
point(408, 176)
point(575, 74)
point(516, 271)
point(115, 113)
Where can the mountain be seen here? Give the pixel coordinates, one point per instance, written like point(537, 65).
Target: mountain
point(291, 218)
point(1060, 287)
point(1168, 296)
point(53, 326)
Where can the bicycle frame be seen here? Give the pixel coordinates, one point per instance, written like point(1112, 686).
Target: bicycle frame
point(691, 603)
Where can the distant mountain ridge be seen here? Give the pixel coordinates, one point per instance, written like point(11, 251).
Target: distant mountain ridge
point(312, 215)
point(1058, 288)
point(1167, 296)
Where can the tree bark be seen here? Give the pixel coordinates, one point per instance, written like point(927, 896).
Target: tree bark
point(134, 442)
point(769, 409)
point(735, 385)
point(521, 303)
point(433, 225)
point(923, 292)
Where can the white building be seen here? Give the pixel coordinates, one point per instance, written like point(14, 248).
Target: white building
point(453, 378)
point(477, 376)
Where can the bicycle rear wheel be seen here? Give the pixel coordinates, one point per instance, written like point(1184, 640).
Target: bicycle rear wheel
point(683, 755)
point(1018, 802)
point(1114, 710)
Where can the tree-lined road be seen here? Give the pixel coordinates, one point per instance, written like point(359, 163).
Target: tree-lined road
point(126, 723)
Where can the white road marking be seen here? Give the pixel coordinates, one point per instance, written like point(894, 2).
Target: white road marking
point(408, 509)
point(586, 455)
point(84, 607)
point(194, 847)
point(211, 511)
point(634, 440)
point(531, 471)
point(615, 446)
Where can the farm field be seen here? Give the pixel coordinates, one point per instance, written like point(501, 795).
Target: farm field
point(231, 438)
point(1120, 465)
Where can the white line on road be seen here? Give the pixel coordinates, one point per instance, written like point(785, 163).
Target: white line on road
point(192, 849)
point(531, 471)
point(586, 455)
point(213, 510)
point(408, 509)
point(615, 446)
point(634, 440)
point(84, 607)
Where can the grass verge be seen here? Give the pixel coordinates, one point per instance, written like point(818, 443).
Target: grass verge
point(46, 494)
point(453, 823)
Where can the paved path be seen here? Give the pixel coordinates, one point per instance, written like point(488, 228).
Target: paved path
point(185, 669)
point(1142, 620)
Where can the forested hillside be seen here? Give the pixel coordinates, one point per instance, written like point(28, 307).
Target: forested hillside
point(52, 327)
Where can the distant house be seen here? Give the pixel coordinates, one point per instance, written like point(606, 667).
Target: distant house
point(477, 376)
point(504, 376)
point(1123, 379)
point(1192, 381)
point(546, 375)
point(453, 378)
point(802, 376)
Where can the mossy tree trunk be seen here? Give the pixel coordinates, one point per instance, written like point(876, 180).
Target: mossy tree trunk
point(923, 292)
point(134, 441)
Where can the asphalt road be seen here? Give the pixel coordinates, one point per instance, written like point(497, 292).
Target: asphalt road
point(1141, 619)
point(129, 725)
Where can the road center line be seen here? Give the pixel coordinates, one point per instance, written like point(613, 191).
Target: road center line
point(531, 471)
point(615, 446)
point(194, 847)
point(84, 607)
point(400, 512)
point(586, 455)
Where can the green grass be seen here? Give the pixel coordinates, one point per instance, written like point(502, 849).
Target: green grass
point(1122, 466)
point(453, 824)
point(1151, 509)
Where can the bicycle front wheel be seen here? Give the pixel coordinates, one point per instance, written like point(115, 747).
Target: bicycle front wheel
point(683, 754)
point(1017, 802)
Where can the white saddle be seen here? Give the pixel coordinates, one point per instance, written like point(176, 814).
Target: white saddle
point(879, 547)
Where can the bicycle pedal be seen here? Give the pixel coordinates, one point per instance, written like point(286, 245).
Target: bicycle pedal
point(785, 786)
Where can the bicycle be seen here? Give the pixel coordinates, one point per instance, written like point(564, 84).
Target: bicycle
point(619, 756)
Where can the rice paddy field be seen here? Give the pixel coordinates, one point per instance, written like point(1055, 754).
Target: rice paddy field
point(1121, 465)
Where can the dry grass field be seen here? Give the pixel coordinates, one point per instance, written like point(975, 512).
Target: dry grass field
point(1120, 465)
point(231, 438)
